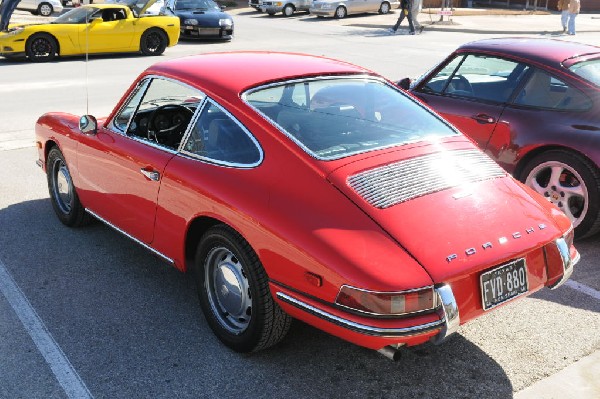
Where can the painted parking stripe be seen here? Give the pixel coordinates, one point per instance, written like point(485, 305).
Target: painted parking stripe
point(64, 372)
point(583, 288)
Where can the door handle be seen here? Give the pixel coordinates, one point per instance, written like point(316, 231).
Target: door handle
point(151, 174)
point(483, 118)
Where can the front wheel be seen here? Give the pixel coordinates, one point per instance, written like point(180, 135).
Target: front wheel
point(340, 12)
point(234, 292)
point(153, 42)
point(62, 191)
point(384, 8)
point(41, 47)
point(570, 182)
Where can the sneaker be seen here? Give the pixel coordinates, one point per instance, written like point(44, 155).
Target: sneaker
point(412, 32)
point(421, 29)
point(391, 31)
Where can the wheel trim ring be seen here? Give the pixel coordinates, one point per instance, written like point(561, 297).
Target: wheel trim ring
point(153, 42)
point(220, 265)
point(385, 8)
point(45, 10)
point(340, 12)
point(549, 164)
point(288, 11)
point(62, 186)
point(40, 47)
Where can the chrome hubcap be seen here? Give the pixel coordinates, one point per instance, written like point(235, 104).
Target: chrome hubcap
point(563, 186)
point(45, 10)
point(228, 290)
point(62, 186)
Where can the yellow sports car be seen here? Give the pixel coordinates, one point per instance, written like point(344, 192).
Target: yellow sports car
point(97, 28)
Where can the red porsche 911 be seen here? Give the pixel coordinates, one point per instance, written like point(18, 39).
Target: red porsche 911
point(306, 188)
point(533, 105)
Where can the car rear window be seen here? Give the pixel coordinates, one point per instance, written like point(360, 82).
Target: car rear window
point(334, 118)
point(589, 70)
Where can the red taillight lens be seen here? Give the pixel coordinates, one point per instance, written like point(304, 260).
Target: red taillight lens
point(387, 303)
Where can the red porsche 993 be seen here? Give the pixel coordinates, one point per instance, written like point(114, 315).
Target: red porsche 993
point(306, 188)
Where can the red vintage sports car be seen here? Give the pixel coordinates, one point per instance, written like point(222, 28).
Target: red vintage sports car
point(306, 188)
point(533, 105)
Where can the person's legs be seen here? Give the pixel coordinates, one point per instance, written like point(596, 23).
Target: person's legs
point(564, 17)
point(571, 24)
point(411, 27)
point(415, 9)
point(399, 21)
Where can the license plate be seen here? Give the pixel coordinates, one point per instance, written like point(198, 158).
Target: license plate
point(503, 283)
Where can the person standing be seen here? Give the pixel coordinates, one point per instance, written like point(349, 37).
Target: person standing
point(574, 6)
point(6, 10)
point(405, 12)
point(563, 7)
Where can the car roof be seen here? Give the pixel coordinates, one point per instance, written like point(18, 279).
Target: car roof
point(546, 51)
point(230, 73)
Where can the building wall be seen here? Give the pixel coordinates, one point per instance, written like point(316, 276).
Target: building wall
point(586, 5)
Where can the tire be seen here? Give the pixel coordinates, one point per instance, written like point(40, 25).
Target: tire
point(234, 293)
point(572, 183)
point(45, 9)
point(41, 47)
point(153, 42)
point(288, 10)
point(63, 196)
point(341, 12)
point(384, 8)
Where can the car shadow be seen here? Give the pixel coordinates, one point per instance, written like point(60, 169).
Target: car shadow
point(116, 310)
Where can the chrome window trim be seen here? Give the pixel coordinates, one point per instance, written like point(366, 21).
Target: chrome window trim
point(358, 327)
point(154, 251)
point(143, 85)
point(216, 161)
point(361, 76)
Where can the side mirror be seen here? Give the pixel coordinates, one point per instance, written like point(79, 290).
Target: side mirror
point(223, 8)
point(88, 124)
point(404, 83)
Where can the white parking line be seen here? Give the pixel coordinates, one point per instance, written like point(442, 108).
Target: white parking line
point(64, 372)
point(583, 288)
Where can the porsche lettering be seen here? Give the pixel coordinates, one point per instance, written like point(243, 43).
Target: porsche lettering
point(502, 240)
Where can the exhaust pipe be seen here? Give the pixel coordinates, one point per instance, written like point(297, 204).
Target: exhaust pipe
point(391, 352)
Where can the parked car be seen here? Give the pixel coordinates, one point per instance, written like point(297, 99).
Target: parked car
point(102, 28)
point(533, 105)
point(309, 188)
point(201, 19)
point(44, 8)
point(341, 8)
point(287, 7)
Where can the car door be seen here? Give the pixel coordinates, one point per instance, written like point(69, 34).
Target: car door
point(121, 167)
point(110, 29)
point(471, 92)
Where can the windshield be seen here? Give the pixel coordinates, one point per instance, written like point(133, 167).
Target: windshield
point(196, 5)
point(589, 70)
point(76, 16)
point(334, 118)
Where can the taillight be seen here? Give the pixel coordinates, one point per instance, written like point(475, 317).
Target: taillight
point(387, 303)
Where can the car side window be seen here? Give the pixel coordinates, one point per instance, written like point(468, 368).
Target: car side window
point(219, 137)
point(159, 111)
point(545, 91)
point(479, 77)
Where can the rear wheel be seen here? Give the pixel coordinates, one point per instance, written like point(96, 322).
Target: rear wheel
point(41, 47)
point(341, 12)
point(288, 10)
point(570, 182)
point(384, 8)
point(234, 292)
point(45, 9)
point(153, 42)
point(62, 191)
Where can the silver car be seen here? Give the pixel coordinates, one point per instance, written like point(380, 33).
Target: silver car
point(341, 8)
point(286, 7)
point(41, 7)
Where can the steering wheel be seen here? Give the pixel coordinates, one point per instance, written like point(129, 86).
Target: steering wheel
point(460, 86)
point(166, 121)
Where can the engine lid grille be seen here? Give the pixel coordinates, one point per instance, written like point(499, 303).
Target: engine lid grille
point(402, 181)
